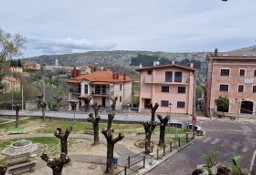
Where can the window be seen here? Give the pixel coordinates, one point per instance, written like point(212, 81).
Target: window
point(168, 76)
point(181, 90)
point(224, 72)
point(240, 88)
point(178, 77)
point(223, 87)
point(180, 104)
point(165, 88)
point(149, 72)
point(120, 99)
point(121, 87)
point(255, 73)
point(86, 89)
point(164, 103)
point(254, 89)
point(242, 72)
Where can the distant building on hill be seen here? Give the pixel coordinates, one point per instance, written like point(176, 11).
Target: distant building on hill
point(16, 69)
point(11, 84)
point(32, 66)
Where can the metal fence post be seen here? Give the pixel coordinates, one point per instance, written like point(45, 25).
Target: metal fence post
point(125, 170)
point(129, 161)
point(144, 162)
point(186, 137)
point(170, 146)
point(179, 141)
point(164, 150)
point(157, 156)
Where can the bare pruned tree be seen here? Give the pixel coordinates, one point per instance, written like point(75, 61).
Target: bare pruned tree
point(3, 169)
point(153, 110)
point(58, 100)
point(163, 123)
point(56, 164)
point(63, 138)
point(108, 133)
point(17, 109)
point(43, 106)
point(95, 121)
point(39, 100)
point(113, 106)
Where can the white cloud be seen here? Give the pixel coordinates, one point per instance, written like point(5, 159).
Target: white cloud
point(67, 45)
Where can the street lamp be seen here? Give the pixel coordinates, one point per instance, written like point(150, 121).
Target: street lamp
point(170, 104)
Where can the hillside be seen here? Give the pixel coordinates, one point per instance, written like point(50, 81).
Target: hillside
point(114, 58)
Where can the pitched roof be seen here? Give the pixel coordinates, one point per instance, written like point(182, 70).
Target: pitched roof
point(104, 76)
point(165, 66)
point(11, 79)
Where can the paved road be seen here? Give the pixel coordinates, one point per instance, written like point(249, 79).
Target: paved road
point(229, 138)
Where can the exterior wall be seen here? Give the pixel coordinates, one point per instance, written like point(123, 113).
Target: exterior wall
point(151, 88)
point(127, 92)
point(10, 86)
point(32, 66)
point(16, 69)
point(233, 80)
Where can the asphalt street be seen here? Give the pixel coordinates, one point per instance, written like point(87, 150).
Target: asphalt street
point(229, 138)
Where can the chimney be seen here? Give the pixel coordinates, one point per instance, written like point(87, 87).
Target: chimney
point(140, 65)
point(173, 62)
point(215, 52)
point(154, 63)
point(113, 75)
point(78, 73)
point(117, 76)
point(124, 76)
point(74, 72)
point(192, 65)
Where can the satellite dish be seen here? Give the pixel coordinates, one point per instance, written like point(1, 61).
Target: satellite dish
point(157, 63)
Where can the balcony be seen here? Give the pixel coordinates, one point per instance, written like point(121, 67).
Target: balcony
point(101, 92)
point(162, 80)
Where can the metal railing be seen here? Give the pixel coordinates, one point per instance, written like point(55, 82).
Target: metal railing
point(137, 160)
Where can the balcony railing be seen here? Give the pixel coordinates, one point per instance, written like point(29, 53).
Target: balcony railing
point(162, 80)
point(101, 92)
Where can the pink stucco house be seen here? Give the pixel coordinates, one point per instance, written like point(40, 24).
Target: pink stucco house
point(231, 75)
point(171, 86)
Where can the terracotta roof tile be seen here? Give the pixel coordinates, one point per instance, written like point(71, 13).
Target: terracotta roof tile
point(100, 76)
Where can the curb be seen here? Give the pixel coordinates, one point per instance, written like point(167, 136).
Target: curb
point(167, 156)
point(253, 164)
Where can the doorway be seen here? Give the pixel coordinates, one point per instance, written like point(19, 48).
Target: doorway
point(146, 103)
point(246, 107)
point(103, 102)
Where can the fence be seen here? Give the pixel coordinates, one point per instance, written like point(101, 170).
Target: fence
point(123, 170)
point(136, 160)
point(180, 142)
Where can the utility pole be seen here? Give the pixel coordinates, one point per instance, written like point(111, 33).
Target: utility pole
point(22, 98)
point(44, 83)
point(194, 104)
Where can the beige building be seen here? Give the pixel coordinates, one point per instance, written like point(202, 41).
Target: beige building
point(32, 66)
point(11, 84)
point(231, 75)
point(16, 69)
point(101, 86)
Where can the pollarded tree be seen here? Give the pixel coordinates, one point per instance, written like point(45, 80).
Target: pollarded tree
point(43, 106)
point(149, 127)
point(63, 138)
point(86, 102)
point(113, 106)
point(10, 46)
point(108, 133)
point(17, 109)
point(3, 169)
point(95, 121)
point(58, 100)
point(163, 123)
point(39, 100)
point(56, 164)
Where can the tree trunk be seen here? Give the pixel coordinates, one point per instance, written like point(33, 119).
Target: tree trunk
point(110, 153)
point(113, 106)
point(163, 123)
point(149, 128)
point(63, 138)
point(108, 133)
point(17, 109)
point(95, 121)
point(3, 170)
point(56, 164)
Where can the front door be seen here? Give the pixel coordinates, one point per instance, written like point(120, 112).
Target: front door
point(146, 103)
point(103, 102)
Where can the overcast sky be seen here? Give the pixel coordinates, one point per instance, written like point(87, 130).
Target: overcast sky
point(70, 26)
